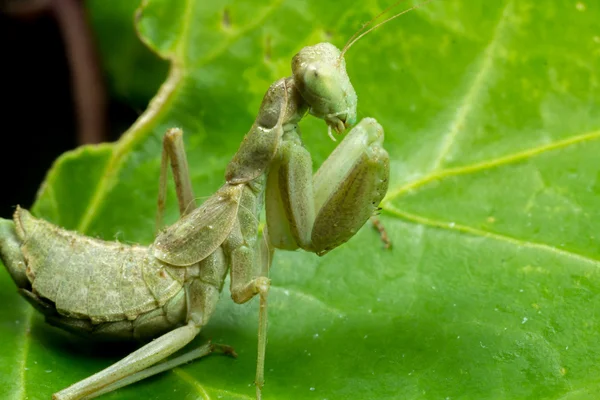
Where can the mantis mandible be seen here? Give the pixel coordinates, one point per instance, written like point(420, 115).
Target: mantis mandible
point(168, 291)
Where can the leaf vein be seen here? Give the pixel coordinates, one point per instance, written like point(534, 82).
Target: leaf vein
point(486, 165)
point(192, 381)
point(202, 389)
point(22, 394)
point(238, 33)
point(486, 234)
point(475, 89)
point(135, 133)
point(185, 29)
point(128, 140)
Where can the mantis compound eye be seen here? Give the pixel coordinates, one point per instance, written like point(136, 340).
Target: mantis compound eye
point(320, 76)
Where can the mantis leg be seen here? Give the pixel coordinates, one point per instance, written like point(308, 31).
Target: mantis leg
point(319, 213)
point(244, 286)
point(174, 151)
point(137, 361)
point(244, 282)
point(349, 186)
point(378, 226)
point(250, 258)
point(266, 257)
point(290, 201)
point(202, 351)
point(243, 245)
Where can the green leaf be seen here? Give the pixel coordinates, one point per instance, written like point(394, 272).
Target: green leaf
point(491, 288)
point(132, 70)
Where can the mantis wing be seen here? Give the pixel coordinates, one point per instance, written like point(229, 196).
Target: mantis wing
point(199, 233)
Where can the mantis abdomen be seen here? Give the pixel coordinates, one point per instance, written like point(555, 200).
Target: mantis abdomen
point(86, 285)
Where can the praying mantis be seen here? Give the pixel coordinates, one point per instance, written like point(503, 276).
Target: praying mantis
point(169, 290)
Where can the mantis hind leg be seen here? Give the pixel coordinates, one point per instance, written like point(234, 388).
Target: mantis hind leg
point(202, 295)
point(10, 253)
point(202, 351)
point(134, 363)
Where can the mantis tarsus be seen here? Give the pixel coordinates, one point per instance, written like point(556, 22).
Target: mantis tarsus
point(169, 290)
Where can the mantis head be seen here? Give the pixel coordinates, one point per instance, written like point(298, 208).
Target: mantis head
point(321, 78)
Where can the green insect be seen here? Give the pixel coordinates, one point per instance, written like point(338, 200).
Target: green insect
point(168, 291)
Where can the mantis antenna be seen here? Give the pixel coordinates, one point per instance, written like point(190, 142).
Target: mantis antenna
point(356, 37)
point(366, 24)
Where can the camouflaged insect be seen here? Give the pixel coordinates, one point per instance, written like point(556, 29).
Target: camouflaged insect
point(167, 291)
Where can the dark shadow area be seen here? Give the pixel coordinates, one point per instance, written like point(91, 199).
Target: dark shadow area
point(37, 112)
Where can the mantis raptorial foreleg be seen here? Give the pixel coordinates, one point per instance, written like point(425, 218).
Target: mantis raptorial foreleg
point(322, 212)
point(349, 186)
